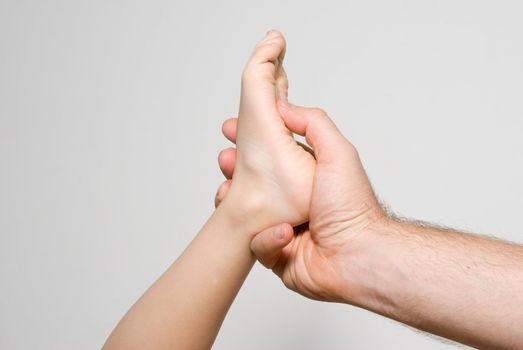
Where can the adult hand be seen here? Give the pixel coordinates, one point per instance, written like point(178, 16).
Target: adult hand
point(460, 286)
point(314, 261)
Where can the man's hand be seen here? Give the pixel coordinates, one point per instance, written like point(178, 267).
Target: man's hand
point(314, 261)
point(459, 286)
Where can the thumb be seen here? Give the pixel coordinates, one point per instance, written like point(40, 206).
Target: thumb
point(319, 130)
point(268, 244)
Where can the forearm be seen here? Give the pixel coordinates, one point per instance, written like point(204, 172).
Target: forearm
point(462, 287)
point(185, 307)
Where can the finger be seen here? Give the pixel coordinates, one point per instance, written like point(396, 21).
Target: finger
point(288, 255)
point(268, 244)
point(319, 130)
point(229, 129)
point(227, 161)
point(222, 191)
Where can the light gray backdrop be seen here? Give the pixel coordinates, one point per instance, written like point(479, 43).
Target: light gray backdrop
point(110, 115)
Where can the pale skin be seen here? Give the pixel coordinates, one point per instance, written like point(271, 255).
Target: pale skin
point(346, 248)
point(185, 307)
point(459, 286)
point(463, 287)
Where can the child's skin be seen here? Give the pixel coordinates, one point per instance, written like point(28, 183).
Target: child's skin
point(185, 307)
point(462, 287)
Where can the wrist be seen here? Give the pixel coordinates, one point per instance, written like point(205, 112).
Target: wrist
point(372, 271)
point(223, 236)
point(246, 211)
point(241, 216)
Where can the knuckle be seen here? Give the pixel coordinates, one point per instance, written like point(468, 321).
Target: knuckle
point(288, 282)
point(255, 247)
point(319, 112)
point(353, 150)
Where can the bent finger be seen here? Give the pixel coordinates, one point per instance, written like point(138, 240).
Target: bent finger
point(229, 129)
point(319, 130)
point(227, 161)
point(222, 191)
point(268, 244)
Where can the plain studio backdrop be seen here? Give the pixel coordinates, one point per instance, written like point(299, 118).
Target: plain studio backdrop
point(110, 116)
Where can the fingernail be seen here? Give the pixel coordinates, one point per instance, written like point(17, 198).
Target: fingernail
point(270, 31)
point(278, 232)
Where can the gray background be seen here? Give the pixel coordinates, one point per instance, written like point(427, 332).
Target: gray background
point(110, 115)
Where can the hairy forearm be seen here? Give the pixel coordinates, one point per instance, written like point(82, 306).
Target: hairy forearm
point(185, 307)
point(462, 287)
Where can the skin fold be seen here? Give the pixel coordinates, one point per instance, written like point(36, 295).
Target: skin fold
point(185, 307)
point(460, 286)
point(310, 214)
